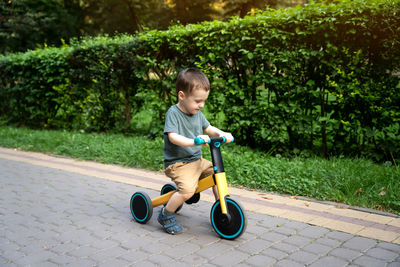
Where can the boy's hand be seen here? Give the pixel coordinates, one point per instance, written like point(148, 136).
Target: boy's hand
point(228, 137)
point(206, 139)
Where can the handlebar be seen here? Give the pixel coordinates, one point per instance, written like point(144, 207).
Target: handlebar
point(198, 141)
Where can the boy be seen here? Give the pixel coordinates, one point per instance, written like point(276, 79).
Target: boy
point(182, 158)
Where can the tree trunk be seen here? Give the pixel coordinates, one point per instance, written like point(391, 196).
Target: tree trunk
point(134, 17)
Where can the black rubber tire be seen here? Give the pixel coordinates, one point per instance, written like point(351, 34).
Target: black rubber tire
point(194, 199)
point(141, 207)
point(167, 188)
point(237, 224)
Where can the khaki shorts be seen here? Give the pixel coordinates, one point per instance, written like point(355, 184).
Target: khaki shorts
point(187, 175)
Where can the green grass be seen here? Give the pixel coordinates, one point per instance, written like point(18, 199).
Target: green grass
point(357, 182)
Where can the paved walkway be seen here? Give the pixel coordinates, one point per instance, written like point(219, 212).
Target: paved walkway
point(56, 211)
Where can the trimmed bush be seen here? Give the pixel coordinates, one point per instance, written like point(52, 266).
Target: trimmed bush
point(320, 79)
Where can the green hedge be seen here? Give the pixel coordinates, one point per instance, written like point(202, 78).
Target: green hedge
point(320, 79)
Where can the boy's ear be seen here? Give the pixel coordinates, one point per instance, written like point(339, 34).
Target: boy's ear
point(181, 95)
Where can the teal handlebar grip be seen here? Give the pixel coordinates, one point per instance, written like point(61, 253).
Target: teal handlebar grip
point(198, 141)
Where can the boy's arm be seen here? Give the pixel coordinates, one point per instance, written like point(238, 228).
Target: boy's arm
point(215, 132)
point(212, 131)
point(180, 140)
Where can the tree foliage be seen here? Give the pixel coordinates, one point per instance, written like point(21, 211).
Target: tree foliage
point(322, 79)
point(29, 24)
point(242, 7)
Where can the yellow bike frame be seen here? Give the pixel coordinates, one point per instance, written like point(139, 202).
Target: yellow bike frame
point(205, 183)
point(218, 178)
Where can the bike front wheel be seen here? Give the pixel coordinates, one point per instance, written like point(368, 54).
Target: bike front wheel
point(233, 224)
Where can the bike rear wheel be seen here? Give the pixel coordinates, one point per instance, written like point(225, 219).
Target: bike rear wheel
point(168, 188)
point(141, 207)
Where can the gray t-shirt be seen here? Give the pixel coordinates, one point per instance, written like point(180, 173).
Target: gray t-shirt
point(190, 126)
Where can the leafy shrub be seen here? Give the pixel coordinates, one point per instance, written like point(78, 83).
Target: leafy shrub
point(320, 79)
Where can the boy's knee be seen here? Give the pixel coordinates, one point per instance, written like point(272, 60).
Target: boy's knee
point(186, 196)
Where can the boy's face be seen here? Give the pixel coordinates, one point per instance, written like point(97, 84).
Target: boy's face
point(192, 103)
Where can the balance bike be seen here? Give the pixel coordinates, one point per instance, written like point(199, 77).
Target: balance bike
point(227, 215)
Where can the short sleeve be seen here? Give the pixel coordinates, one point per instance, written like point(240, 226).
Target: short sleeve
point(171, 122)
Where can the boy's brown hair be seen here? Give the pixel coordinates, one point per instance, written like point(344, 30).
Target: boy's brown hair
point(190, 79)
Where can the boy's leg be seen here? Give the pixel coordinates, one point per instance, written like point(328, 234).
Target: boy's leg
point(208, 170)
point(215, 192)
point(176, 201)
point(184, 176)
point(168, 221)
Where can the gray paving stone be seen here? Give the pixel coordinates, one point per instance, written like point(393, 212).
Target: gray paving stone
point(63, 259)
point(244, 264)
point(257, 230)
point(288, 263)
point(258, 217)
point(285, 247)
point(230, 258)
point(174, 263)
point(204, 240)
point(208, 265)
point(213, 250)
point(64, 247)
point(34, 248)
point(329, 261)
point(105, 254)
point(114, 262)
point(154, 248)
point(161, 259)
point(104, 244)
point(389, 246)
point(360, 243)
point(284, 230)
point(7, 245)
point(144, 264)
point(134, 256)
point(35, 258)
point(303, 257)
point(382, 254)
point(275, 253)
point(296, 225)
point(346, 254)
point(82, 262)
point(254, 246)
point(313, 232)
point(273, 222)
point(83, 251)
point(333, 243)
point(181, 250)
point(298, 241)
point(165, 238)
point(273, 237)
point(260, 260)
point(339, 235)
point(367, 261)
point(44, 264)
point(318, 249)
point(77, 220)
point(193, 260)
